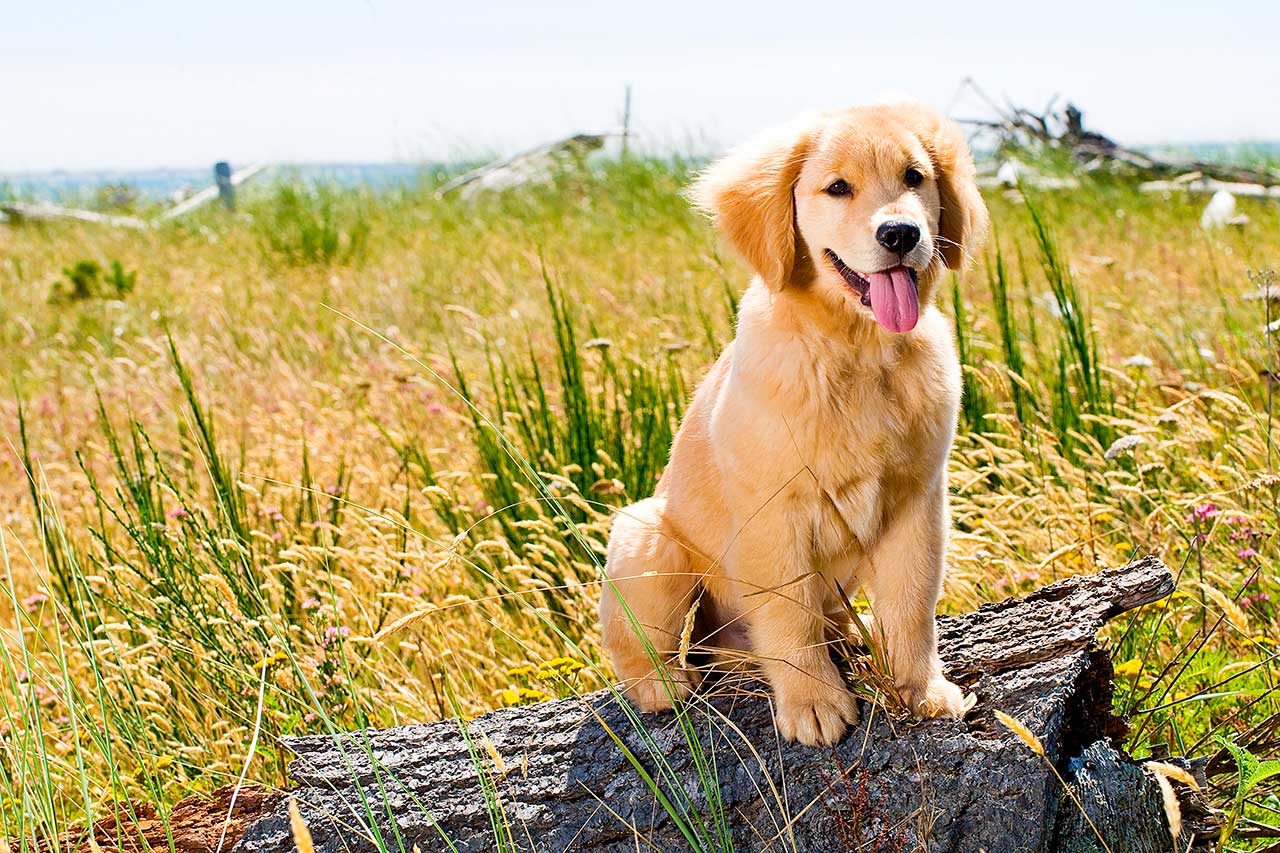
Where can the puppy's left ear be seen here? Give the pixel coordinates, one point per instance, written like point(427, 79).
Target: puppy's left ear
point(963, 219)
point(749, 194)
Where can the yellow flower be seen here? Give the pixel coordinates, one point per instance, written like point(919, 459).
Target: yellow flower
point(522, 696)
point(521, 671)
point(270, 661)
point(164, 761)
point(1129, 669)
point(558, 666)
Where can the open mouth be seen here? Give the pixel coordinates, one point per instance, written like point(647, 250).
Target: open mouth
point(891, 294)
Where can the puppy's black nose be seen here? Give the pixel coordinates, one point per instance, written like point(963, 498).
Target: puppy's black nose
point(898, 237)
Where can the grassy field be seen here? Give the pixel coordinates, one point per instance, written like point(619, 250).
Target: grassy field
point(266, 494)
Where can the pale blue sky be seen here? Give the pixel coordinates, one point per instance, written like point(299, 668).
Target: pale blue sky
point(97, 83)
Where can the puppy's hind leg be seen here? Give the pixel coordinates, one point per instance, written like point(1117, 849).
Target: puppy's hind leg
point(653, 574)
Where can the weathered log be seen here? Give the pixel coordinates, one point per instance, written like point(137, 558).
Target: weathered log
point(42, 211)
point(558, 780)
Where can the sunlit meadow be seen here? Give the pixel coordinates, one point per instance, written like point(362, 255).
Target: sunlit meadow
point(251, 485)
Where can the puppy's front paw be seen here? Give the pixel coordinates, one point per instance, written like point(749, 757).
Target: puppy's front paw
point(652, 693)
point(937, 698)
point(817, 718)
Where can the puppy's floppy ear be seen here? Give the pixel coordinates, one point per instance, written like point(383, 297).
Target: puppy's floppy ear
point(749, 194)
point(963, 219)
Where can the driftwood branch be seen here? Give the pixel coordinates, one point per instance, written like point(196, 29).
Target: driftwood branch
point(22, 211)
point(536, 165)
point(1020, 129)
point(559, 781)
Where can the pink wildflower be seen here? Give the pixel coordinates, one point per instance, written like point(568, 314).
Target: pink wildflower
point(334, 633)
point(32, 602)
point(1204, 512)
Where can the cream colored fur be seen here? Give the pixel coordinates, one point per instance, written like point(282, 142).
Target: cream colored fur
point(814, 452)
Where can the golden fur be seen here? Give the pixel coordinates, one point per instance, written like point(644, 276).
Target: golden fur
point(814, 453)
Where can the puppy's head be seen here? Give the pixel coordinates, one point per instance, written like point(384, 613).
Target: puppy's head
point(862, 207)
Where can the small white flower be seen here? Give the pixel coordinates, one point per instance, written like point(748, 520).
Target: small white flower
point(1122, 446)
point(1138, 360)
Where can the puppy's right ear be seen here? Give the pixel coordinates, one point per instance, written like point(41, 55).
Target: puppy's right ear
point(749, 194)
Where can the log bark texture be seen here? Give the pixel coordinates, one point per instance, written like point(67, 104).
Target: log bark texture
point(561, 782)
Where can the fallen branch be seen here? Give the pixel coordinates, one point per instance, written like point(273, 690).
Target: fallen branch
point(21, 211)
point(1019, 129)
point(208, 194)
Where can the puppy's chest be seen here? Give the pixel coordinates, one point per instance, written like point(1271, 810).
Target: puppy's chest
point(847, 501)
point(854, 449)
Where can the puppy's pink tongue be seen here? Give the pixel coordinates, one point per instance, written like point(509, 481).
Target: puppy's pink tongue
point(894, 300)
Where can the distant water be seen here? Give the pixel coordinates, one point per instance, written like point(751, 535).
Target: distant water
point(162, 184)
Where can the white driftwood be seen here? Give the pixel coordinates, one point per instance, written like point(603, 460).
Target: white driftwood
point(533, 166)
point(42, 211)
point(1209, 186)
point(208, 194)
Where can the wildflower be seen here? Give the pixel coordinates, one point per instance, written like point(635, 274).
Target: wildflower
point(1139, 360)
point(558, 667)
point(1247, 553)
point(312, 603)
point(1129, 669)
point(1122, 446)
point(334, 633)
point(1204, 512)
point(1256, 598)
point(32, 602)
point(523, 696)
point(522, 671)
point(177, 512)
point(333, 491)
point(434, 408)
point(270, 661)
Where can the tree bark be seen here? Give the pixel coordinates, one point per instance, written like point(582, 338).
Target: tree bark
point(561, 782)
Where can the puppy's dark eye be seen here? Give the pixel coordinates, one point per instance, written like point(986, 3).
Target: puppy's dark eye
point(913, 177)
point(839, 187)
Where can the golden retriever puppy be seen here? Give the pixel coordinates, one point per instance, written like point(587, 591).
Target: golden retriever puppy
point(813, 456)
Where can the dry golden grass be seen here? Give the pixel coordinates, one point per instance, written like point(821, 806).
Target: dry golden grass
point(347, 598)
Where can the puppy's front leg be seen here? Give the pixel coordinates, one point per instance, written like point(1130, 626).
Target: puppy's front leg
point(783, 600)
point(904, 581)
